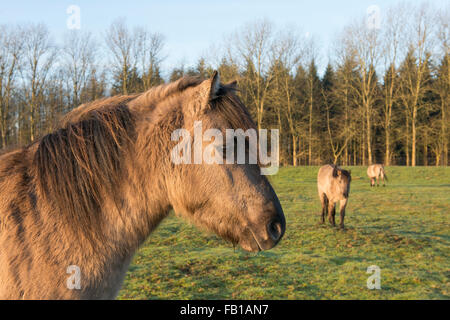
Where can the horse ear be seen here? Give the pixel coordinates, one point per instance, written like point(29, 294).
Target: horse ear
point(335, 172)
point(232, 85)
point(215, 85)
point(207, 91)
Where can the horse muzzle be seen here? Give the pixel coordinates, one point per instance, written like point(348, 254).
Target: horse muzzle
point(265, 235)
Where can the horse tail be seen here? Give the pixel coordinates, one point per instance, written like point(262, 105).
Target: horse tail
point(383, 174)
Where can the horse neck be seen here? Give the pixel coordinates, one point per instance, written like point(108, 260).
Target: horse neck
point(143, 193)
point(142, 206)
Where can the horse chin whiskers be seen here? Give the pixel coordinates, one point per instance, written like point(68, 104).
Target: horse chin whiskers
point(256, 240)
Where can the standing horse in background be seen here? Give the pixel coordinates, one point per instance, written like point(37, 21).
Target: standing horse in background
point(376, 172)
point(333, 184)
point(89, 193)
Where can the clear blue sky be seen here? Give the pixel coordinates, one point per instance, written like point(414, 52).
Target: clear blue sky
point(190, 27)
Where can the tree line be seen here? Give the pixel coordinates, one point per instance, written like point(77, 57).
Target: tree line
point(383, 96)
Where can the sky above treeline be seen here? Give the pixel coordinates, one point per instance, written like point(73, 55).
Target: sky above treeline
point(192, 27)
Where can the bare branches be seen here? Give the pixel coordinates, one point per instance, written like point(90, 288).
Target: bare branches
point(40, 55)
point(253, 45)
point(11, 51)
point(134, 53)
point(79, 53)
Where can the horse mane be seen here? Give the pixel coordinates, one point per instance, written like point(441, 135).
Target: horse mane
point(79, 163)
point(165, 90)
point(226, 103)
point(81, 160)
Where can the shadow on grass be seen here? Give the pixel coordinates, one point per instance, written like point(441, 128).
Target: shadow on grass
point(342, 260)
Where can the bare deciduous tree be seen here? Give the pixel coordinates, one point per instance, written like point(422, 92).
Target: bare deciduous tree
point(286, 56)
point(363, 43)
point(414, 81)
point(393, 43)
point(79, 53)
point(121, 44)
point(253, 45)
point(149, 48)
point(443, 83)
point(11, 49)
point(136, 55)
point(39, 57)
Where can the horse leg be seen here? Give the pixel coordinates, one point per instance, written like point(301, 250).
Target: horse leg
point(372, 182)
point(342, 205)
point(324, 201)
point(333, 215)
point(377, 181)
point(331, 212)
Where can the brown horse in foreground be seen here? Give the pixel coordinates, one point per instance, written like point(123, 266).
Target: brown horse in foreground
point(333, 184)
point(376, 172)
point(89, 193)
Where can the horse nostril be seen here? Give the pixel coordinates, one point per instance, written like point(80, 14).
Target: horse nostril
point(275, 229)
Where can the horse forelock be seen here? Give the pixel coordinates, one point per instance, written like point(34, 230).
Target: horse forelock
point(230, 107)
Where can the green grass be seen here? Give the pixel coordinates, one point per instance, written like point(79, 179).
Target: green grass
point(403, 228)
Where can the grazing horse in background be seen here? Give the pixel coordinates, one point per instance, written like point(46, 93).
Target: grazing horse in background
point(375, 172)
point(89, 193)
point(333, 184)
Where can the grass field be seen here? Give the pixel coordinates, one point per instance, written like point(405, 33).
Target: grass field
point(403, 228)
